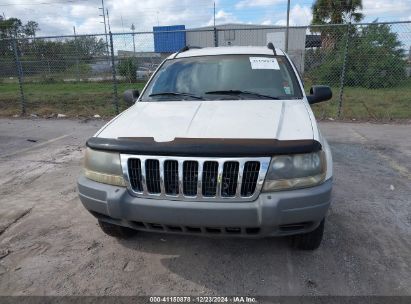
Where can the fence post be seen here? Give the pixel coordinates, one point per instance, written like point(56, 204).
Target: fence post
point(342, 79)
point(113, 72)
point(77, 55)
point(20, 76)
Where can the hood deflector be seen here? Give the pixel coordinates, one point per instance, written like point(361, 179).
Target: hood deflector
point(210, 147)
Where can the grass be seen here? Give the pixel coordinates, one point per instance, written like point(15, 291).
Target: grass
point(88, 99)
point(71, 99)
point(369, 104)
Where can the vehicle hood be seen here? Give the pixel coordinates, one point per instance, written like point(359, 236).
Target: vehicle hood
point(262, 119)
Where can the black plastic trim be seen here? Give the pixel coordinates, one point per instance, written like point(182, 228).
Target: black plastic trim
point(218, 147)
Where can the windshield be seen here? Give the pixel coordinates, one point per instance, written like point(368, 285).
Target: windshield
point(224, 77)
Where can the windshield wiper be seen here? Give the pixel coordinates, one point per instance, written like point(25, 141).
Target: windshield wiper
point(239, 92)
point(176, 94)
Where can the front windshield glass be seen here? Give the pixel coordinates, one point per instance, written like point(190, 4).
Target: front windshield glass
point(224, 77)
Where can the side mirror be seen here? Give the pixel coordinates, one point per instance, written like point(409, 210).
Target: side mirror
point(319, 93)
point(130, 96)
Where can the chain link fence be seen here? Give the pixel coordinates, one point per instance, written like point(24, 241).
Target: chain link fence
point(367, 65)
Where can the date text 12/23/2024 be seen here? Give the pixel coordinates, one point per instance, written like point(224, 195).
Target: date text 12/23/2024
point(203, 299)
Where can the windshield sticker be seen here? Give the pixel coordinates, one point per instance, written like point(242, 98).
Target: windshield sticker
point(287, 89)
point(264, 63)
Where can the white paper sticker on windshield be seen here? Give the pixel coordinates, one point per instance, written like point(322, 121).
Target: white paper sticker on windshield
point(264, 63)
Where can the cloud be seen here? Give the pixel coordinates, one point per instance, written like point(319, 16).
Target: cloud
point(383, 7)
point(256, 3)
point(222, 17)
point(299, 15)
point(59, 18)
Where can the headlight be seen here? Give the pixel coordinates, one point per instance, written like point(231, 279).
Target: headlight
point(103, 167)
point(295, 171)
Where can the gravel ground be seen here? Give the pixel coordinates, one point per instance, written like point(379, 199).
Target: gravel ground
point(50, 245)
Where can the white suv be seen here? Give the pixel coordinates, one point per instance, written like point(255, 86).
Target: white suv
point(221, 141)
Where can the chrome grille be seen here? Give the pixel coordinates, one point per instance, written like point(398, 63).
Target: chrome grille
point(210, 173)
point(190, 178)
point(230, 178)
point(135, 175)
point(171, 177)
point(250, 174)
point(203, 179)
point(153, 176)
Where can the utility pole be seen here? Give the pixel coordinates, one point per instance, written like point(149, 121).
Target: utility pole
point(134, 43)
point(215, 30)
point(288, 26)
point(214, 13)
point(104, 21)
point(108, 21)
point(77, 54)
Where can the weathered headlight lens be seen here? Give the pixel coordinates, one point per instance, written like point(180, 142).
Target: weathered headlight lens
point(295, 171)
point(103, 167)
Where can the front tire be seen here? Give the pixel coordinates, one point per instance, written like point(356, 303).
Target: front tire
point(116, 231)
point(311, 240)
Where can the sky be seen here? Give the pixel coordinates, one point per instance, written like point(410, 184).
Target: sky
point(57, 17)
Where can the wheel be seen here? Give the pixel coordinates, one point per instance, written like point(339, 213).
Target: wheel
point(116, 231)
point(311, 240)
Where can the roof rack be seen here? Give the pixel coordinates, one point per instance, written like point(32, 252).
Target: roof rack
point(270, 45)
point(186, 48)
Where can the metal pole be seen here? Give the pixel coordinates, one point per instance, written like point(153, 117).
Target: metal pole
point(77, 55)
point(214, 13)
point(342, 79)
point(20, 77)
point(104, 21)
point(215, 31)
point(288, 26)
point(134, 43)
point(108, 21)
point(113, 71)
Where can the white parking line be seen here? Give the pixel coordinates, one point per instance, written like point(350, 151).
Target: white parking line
point(396, 166)
point(390, 161)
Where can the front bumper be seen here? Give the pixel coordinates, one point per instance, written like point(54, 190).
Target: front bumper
point(271, 214)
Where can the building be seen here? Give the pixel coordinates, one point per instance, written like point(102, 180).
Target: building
point(169, 39)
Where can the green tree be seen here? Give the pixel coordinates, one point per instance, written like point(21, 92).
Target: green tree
point(128, 68)
point(85, 47)
point(336, 11)
point(13, 27)
point(375, 59)
point(8, 28)
point(30, 28)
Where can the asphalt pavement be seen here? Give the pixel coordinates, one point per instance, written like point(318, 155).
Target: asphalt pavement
point(50, 245)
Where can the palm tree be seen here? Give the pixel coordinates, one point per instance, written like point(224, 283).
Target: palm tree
point(336, 11)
